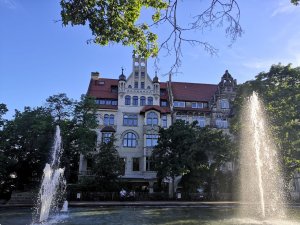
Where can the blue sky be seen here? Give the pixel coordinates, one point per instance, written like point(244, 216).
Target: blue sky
point(39, 57)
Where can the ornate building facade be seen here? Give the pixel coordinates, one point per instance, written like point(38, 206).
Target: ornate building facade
point(134, 107)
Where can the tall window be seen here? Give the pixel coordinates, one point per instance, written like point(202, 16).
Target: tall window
point(109, 119)
point(224, 104)
point(106, 137)
point(136, 74)
point(142, 85)
point(142, 100)
point(129, 140)
point(135, 100)
point(135, 164)
point(151, 140)
point(152, 118)
point(127, 100)
point(201, 121)
point(221, 123)
point(123, 161)
point(150, 101)
point(164, 121)
point(130, 120)
point(149, 164)
point(106, 119)
point(136, 84)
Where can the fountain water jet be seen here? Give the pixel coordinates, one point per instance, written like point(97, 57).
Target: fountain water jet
point(53, 181)
point(261, 183)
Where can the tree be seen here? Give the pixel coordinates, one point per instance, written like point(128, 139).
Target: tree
point(279, 89)
point(3, 110)
point(192, 152)
point(25, 143)
point(60, 106)
point(79, 136)
point(119, 22)
point(107, 165)
point(172, 153)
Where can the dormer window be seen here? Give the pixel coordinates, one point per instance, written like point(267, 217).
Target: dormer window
point(179, 104)
point(197, 105)
point(114, 89)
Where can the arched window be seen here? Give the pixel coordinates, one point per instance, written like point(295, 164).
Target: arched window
point(106, 119)
point(127, 100)
point(135, 100)
point(150, 101)
point(129, 140)
point(111, 119)
point(152, 118)
point(142, 100)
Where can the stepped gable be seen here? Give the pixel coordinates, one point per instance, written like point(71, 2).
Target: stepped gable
point(193, 92)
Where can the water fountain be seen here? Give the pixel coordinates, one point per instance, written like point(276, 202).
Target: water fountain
point(52, 183)
point(261, 188)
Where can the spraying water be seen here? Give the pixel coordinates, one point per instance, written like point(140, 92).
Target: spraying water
point(53, 180)
point(261, 189)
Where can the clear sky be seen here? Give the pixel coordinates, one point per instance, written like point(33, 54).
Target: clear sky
point(39, 57)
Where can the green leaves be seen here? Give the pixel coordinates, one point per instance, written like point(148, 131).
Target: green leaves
point(115, 21)
point(107, 165)
point(184, 149)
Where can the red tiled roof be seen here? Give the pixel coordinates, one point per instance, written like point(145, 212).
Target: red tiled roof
point(98, 90)
point(193, 91)
point(156, 108)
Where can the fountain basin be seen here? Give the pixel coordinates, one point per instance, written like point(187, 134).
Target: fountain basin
point(217, 214)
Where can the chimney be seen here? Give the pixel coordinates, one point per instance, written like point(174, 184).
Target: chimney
point(95, 75)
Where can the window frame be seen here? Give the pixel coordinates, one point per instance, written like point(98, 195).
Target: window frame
point(142, 101)
point(135, 100)
point(152, 118)
point(150, 100)
point(130, 120)
point(127, 100)
point(130, 140)
point(151, 140)
point(135, 164)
